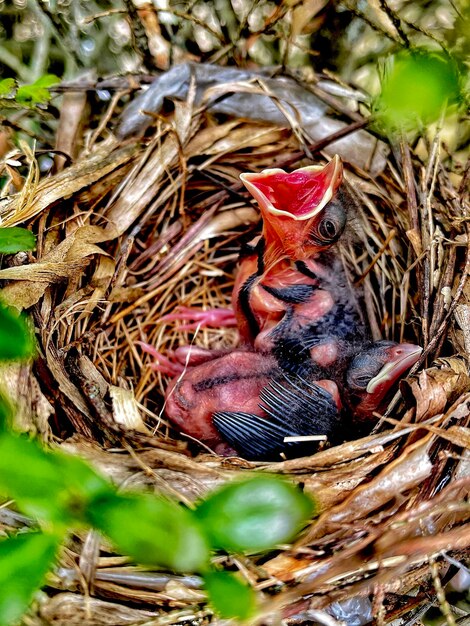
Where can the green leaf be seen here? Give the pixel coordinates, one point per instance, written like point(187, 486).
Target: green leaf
point(48, 80)
point(255, 514)
point(37, 92)
point(229, 596)
point(25, 561)
point(7, 85)
point(15, 239)
point(52, 486)
point(152, 530)
point(16, 337)
point(417, 87)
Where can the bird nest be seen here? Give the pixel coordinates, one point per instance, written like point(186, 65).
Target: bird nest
point(139, 225)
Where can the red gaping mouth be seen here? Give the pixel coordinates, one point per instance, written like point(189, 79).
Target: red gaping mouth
point(301, 194)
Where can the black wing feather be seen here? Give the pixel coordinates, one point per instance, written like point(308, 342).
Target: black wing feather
point(294, 406)
point(301, 405)
point(254, 437)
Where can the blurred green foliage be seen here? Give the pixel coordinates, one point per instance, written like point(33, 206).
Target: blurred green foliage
point(254, 515)
point(54, 487)
point(14, 239)
point(418, 88)
point(25, 560)
point(64, 493)
point(230, 596)
point(16, 336)
point(37, 92)
point(152, 530)
point(7, 86)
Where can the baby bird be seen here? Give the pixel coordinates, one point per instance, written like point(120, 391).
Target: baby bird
point(304, 363)
point(246, 399)
point(290, 290)
point(285, 282)
point(293, 406)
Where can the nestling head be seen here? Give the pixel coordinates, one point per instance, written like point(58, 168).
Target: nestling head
point(303, 211)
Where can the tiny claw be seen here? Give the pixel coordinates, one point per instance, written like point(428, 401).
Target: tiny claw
point(212, 317)
point(163, 364)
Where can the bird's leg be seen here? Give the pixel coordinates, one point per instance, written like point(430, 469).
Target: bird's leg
point(174, 362)
point(166, 364)
point(194, 318)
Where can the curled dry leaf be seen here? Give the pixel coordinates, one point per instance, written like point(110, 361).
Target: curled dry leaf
point(436, 387)
point(330, 487)
point(80, 175)
point(66, 260)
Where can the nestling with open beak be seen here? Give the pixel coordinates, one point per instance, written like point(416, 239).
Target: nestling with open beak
point(286, 284)
point(291, 296)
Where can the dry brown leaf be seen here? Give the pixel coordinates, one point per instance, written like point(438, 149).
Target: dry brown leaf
point(56, 365)
point(402, 474)
point(225, 221)
point(462, 316)
point(78, 176)
point(66, 260)
point(71, 113)
point(458, 435)
point(330, 487)
point(206, 137)
point(345, 452)
point(143, 185)
point(44, 271)
point(435, 387)
point(415, 239)
point(245, 136)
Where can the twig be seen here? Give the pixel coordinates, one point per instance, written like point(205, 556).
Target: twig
point(396, 21)
point(139, 36)
point(385, 245)
point(410, 190)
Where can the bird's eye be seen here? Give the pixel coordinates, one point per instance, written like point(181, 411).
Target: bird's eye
point(326, 232)
point(327, 229)
point(362, 381)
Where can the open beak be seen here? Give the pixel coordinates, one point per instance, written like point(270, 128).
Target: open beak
point(402, 357)
point(299, 195)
